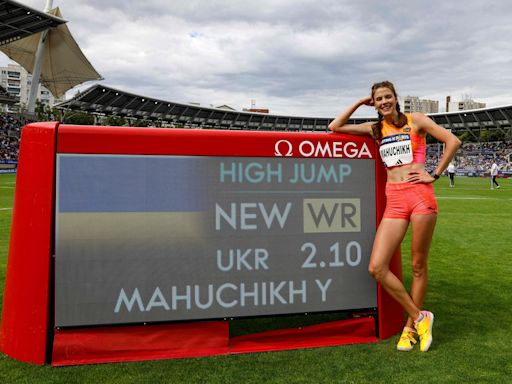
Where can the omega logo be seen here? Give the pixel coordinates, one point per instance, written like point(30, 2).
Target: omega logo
point(283, 145)
point(306, 148)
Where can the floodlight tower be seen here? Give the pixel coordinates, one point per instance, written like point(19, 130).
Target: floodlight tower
point(36, 74)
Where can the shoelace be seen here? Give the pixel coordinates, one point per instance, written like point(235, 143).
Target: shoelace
point(421, 331)
point(408, 337)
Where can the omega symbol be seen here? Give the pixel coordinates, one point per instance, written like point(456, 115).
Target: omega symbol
point(286, 145)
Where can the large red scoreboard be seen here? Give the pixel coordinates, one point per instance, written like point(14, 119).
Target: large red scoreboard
point(147, 243)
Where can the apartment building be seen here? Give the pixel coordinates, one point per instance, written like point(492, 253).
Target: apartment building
point(411, 104)
point(464, 105)
point(17, 81)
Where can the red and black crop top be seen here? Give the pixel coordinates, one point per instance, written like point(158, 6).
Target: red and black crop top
point(400, 146)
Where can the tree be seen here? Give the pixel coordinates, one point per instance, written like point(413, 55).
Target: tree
point(466, 137)
point(142, 123)
point(485, 135)
point(45, 113)
point(497, 135)
point(78, 118)
point(115, 121)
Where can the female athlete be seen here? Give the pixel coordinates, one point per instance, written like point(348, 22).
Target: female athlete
point(409, 198)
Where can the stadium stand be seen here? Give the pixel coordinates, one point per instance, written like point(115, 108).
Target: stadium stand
point(475, 159)
point(10, 129)
point(102, 100)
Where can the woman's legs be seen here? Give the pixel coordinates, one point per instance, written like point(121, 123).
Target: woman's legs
point(387, 240)
point(422, 232)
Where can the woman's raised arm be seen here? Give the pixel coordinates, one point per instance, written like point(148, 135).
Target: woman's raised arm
point(339, 124)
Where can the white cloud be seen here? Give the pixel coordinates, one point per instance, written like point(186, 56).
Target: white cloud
point(307, 58)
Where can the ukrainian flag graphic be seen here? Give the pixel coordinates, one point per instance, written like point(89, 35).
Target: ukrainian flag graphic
point(124, 219)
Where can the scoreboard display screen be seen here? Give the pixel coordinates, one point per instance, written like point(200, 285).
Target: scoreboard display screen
point(151, 238)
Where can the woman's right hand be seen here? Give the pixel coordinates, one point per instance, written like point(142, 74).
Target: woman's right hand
point(367, 101)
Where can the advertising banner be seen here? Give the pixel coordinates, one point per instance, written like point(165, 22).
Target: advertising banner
point(8, 166)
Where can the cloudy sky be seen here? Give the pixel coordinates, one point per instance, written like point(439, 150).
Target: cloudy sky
point(295, 57)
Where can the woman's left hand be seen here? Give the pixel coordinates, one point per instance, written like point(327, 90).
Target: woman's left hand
point(420, 177)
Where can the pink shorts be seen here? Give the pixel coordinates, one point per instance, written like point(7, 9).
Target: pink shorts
point(405, 199)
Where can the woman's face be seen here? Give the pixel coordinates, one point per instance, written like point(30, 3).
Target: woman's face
point(384, 101)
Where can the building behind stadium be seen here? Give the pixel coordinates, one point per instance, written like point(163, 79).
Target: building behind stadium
point(17, 81)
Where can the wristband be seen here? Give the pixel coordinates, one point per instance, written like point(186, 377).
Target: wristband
point(434, 175)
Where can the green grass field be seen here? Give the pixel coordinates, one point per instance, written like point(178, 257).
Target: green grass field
point(470, 293)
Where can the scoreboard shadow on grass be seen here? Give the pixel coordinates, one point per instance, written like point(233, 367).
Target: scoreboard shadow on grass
point(146, 243)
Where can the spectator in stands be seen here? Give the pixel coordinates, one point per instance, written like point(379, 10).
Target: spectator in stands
point(475, 159)
point(10, 129)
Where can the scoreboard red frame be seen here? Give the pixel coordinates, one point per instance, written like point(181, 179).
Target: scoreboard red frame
point(27, 331)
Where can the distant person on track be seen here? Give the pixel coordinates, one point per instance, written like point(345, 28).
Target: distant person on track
point(410, 197)
point(494, 174)
point(451, 174)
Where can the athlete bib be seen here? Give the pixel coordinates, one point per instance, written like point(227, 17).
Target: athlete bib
point(396, 150)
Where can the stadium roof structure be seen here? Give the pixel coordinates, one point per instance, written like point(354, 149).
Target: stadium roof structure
point(18, 21)
point(103, 100)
